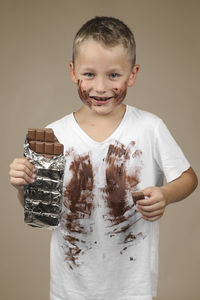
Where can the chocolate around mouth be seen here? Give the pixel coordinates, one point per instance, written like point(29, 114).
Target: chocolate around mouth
point(101, 98)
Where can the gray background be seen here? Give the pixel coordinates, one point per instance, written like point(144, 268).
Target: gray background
point(36, 42)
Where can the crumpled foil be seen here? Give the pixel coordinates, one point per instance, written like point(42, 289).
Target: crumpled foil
point(43, 198)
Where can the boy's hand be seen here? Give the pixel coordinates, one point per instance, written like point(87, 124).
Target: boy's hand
point(152, 207)
point(21, 173)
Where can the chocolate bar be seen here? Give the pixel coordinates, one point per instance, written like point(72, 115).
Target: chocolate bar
point(43, 198)
point(44, 142)
point(137, 196)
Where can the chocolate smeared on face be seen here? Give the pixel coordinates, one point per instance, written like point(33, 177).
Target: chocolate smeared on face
point(78, 199)
point(118, 95)
point(83, 94)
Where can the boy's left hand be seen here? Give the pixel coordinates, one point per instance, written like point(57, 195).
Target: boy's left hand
point(152, 207)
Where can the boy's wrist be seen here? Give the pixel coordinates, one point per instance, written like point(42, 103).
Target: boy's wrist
point(20, 196)
point(166, 194)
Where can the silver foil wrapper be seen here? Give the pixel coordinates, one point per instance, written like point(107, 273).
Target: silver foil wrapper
point(43, 198)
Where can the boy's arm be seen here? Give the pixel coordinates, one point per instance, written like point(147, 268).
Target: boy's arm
point(20, 196)
point(153, 207)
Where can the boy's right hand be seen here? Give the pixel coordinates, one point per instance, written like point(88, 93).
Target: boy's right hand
point(22, 172)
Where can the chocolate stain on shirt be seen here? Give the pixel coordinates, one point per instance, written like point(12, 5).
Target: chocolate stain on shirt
point(78, 199)
point(79, 191)
point(119, 183)
point(120, 179)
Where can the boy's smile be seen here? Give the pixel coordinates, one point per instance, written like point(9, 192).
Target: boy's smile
point(103, 75)
point(88, 99)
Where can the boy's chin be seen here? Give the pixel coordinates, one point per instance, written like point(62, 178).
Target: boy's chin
point(104, 109)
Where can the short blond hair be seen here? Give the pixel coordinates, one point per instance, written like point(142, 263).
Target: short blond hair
point(110, 32)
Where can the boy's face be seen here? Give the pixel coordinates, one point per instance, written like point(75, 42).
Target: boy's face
point(103, 75)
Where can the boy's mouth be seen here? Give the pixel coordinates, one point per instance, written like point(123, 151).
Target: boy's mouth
point(118, 95)
point(101, 98)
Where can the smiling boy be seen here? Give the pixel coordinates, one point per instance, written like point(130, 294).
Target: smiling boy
point(106, 247)
point(103, 75)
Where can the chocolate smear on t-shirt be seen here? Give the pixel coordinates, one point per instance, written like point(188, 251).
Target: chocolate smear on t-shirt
point(123, 167)
point(119, 181)
point(78, 199)
point(123, 164)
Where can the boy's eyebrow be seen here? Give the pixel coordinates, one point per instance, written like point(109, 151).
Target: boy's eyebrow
point(85, 68)
point(109, 70)
point(114, 69)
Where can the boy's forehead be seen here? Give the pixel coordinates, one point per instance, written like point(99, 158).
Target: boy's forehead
point(91, 43)
point(90, 48)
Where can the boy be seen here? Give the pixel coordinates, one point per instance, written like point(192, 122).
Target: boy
point(106, 245)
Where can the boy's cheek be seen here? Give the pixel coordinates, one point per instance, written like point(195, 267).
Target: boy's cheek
point(117, 88)
point(83, 84)
point(83, 92)
point(120, 93)
point(119, 85)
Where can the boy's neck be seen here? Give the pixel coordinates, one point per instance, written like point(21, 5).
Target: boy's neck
point(99, 127)
point(85, 113)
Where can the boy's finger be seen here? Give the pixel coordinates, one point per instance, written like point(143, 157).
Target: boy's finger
point(23, 168)
point(148, 201)
point(24, 161)
point(17, 182)
point(152, 213)
point(149, 208)
point(24, 175)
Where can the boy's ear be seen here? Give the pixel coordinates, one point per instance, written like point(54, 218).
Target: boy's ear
point(72, 72)
point(133, 75)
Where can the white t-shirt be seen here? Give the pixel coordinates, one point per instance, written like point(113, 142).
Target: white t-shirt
point(103, 249)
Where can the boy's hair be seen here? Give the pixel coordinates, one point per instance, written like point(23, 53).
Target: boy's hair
point(108, 31)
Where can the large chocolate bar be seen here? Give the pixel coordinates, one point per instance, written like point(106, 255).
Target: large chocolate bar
point(43, 198)
point(44, 142)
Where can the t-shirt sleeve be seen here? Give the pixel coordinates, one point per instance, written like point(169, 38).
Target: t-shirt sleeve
point(168, 154)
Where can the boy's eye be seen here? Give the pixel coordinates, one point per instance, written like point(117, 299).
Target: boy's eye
point(114, 75)
point(88, 74)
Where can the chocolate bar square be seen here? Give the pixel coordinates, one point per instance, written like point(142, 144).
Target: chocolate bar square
point(39, 135)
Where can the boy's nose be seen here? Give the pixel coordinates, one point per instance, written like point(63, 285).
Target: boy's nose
point(100, 86)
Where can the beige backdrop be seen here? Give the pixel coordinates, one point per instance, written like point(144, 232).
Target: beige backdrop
point(36, 40)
